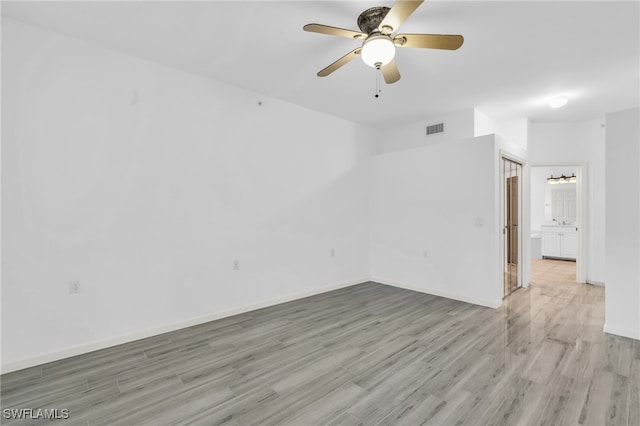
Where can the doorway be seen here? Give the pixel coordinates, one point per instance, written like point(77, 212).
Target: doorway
point(557, 216)
point(511, 211)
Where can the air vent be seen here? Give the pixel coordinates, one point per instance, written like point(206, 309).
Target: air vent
point(435, 128)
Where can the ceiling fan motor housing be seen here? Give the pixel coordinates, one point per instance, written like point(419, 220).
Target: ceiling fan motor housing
point(370, 19)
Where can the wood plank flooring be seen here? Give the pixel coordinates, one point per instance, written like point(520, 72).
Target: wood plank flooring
point(368, 354)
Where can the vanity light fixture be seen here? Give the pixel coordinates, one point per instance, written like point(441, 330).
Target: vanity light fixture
point(562, 179)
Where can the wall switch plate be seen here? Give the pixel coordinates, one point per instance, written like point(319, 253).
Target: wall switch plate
point(479, 222)
point(236, 265)
point(333, 253)
point(426, 254)
point(74, 286)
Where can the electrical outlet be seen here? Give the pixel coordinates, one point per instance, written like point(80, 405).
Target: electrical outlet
point(426, 254)
point(236, 265)
point(74, 286)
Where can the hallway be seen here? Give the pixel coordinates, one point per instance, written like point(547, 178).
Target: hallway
point(550, 271)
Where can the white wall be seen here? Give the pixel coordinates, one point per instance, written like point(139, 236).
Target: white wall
point(145, 183)
point(428, 199)
point(538, 198)
point(399, 238)
point(596, 197)
point(573, 143)
point(514, 132)
point(457, 124)
point(483, 124)
point(622, 295)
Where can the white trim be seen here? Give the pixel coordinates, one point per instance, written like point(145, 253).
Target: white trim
point(526, 226)
point(622, 331)
point(512, 157)
point(165, 328)
point(596, 283)
point(581, 203)
point(488, 303)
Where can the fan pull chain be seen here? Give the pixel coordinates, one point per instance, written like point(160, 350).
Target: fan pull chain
point(378, 89)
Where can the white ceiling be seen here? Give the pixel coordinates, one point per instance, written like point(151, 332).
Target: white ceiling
point(515, 56)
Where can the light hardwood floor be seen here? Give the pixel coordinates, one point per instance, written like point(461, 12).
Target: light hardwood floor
point(367, 354)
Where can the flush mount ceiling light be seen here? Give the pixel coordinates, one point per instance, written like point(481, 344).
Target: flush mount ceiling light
point(558, 101)
point(562, 179)
point(378, 50)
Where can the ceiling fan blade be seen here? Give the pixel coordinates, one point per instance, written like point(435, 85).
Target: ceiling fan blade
point(399, 13)
point(340, 62)
point(340, 32)
point(390, 72)
point(429, 41)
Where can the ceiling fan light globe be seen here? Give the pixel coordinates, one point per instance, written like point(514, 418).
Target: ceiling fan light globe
point(378, 51)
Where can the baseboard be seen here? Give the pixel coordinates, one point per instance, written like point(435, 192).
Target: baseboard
point(622, 331)
point(596, 283)
point(165, 328)
point(488, 303)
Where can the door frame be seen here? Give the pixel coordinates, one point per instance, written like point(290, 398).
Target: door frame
point(523, 220)
point(581, 214)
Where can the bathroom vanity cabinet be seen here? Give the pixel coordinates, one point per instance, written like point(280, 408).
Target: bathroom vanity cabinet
point(559, 241)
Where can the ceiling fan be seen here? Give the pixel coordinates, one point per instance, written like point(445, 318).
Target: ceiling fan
point(377, 26)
